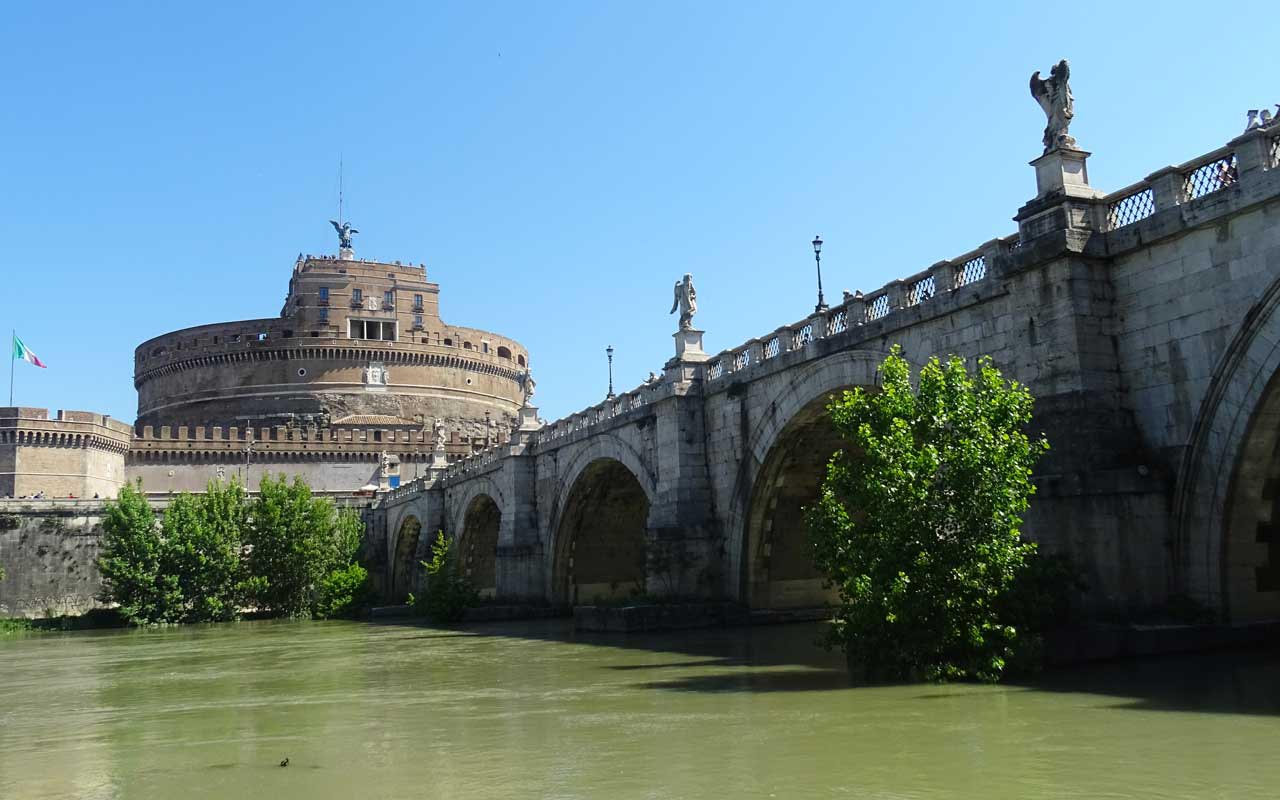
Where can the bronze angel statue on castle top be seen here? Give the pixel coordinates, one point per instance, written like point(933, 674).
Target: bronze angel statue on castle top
point(1054, 96)
point(345, 232)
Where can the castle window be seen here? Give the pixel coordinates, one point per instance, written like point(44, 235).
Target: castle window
point(448, 342)
point(466, 345)
point(324, 295)
point(504, 353)
point(484, 347)
point(371, 329)
point(417, 302)
point(520, 360)
point(357, 297)
point(388, 299)
point(417, 322)
point(377, 436)
point(324, 315)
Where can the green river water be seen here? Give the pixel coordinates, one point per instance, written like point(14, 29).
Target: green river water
point(530, 710)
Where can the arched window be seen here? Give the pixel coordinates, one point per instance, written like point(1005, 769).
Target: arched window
point(504, 352)
point(520, 360)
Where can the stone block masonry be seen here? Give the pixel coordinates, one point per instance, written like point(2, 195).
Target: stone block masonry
point(1144, 322)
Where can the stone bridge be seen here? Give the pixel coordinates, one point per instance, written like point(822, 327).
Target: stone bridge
point(1144, 322)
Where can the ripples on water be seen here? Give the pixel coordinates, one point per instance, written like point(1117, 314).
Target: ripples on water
point(531, 710)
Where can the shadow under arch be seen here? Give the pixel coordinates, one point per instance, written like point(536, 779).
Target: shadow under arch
point(478, 544)
point(403, 559)
point(600, 535)
point(1226, 507)
point(780, 568)
point(778, 476)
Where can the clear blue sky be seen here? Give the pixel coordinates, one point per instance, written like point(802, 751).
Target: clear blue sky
point(557, 166)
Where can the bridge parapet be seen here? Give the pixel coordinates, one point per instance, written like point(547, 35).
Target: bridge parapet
point(858, 310)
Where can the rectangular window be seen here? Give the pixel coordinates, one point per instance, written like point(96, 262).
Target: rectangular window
point(484, 347)
point(324, 294)
point(388, 298)
point(371, 329)
point(324, 315)
point(357, 296)
point(417, 302)
point(417, 322)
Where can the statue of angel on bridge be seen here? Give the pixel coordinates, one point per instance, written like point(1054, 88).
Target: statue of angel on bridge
point(686, 300)
point(1054, 96)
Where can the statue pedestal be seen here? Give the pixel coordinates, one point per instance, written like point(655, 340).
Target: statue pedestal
point(438, 459)
point(529, 419)
point(1063, 170)
point(346, 254)
point(689, 345)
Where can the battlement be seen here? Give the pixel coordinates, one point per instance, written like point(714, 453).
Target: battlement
point(24, 418)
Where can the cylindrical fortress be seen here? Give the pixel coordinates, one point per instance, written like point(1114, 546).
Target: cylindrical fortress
point(356, 340)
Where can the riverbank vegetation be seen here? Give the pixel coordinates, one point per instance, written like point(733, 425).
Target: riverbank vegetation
point(918, 526)
point(448, 593)
point(209, 557)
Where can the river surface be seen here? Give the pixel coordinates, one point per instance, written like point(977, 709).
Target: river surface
point(529, 710)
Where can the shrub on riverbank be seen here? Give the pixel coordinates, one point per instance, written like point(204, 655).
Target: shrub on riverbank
point(918, 522)
point(449, 593)
point(284, 552)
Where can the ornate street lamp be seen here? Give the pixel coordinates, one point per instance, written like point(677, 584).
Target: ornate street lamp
point(609, 351)
point(817, 257)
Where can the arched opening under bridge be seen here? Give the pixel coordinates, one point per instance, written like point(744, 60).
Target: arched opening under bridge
point(780, 568)
point(478, 544)
point(403, 565)
point(600, 539)
point(1251, 536)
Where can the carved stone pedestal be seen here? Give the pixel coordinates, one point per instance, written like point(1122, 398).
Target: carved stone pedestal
point(1063, 170)
point(438, 459)
point(529, 419)
point(346, 254)
point(689, 345)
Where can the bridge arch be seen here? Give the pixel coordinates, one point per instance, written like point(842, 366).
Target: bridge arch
point(600, 526)
point(477, 543)
point(403, 564)
point(784, 462)
point(1227, 501)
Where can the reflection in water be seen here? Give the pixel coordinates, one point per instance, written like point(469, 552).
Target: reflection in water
point(530, 710)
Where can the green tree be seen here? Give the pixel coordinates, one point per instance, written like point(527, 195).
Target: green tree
point(918, 521)
point(448, 593)
point(201, 543)
point(346, 588)
point(130, 558)
point(291, 544)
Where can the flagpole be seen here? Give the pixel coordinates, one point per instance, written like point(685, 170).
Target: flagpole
point(13, 334)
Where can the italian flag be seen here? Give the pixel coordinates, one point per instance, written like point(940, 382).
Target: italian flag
point(23, 352)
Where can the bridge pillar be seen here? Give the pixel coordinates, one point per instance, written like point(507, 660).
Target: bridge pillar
point(684, 549)
point(520, 567)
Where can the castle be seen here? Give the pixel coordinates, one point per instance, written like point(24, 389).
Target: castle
point(357, 384)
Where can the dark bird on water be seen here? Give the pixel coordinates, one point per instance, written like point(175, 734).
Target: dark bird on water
point(285, 763)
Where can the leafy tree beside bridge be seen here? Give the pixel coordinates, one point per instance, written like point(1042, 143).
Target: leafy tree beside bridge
point(209, 556)
point(918, 523)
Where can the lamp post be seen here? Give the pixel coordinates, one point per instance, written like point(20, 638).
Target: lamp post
point(609, 351)
point(817, 257)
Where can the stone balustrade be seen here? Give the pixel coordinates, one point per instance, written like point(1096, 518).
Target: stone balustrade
point(1172, 186)
point(1200, 177)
